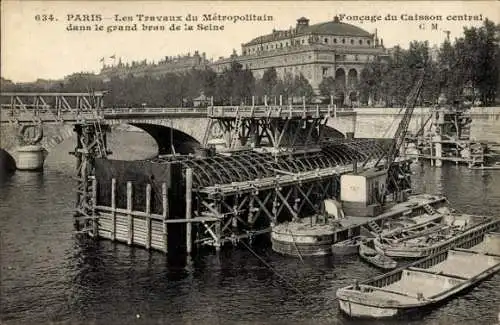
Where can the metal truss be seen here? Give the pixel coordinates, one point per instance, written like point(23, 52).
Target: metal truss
point(267, 131)
point(244, 193)
point(248, 165)
point(49, 107)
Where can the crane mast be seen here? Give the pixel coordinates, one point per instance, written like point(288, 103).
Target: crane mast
point(402, 129)
point(400, 135)
point(363, 194)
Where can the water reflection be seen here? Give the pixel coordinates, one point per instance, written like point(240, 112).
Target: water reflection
point(48, 274)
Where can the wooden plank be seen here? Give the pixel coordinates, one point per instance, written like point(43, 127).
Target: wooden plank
point(165, 215)
point(148, 218)
point(189, 192)
point(95, 225)
point(113, 207)
point(129, 215)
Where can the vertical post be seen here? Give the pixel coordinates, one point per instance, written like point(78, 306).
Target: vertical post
point(129, 212)
point(95, 228)
point(189, 193)
point(281, 100)
point(217, 235)
point(164, 199)
point(253, 101)
point(265, 100)
point(331, 100)
point(113, 209)
point(148, 216)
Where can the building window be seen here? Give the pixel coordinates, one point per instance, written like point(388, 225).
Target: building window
point(335, 40)
point(326, 40)
point(287, 44)
point(356, 58)
point(343, 41)
point(368, 42)
point(360, 42)
point(325, 71)
point(352, 41)
point(303, 41)
point(281, 45)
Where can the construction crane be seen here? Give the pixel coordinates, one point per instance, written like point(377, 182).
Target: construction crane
point(400, 135)
point(382, 179)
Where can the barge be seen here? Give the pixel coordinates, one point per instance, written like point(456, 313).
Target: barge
point(423, 284)
point(442, 233)
point(314, 236)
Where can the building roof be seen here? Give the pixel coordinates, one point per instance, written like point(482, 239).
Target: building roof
point(333, 27)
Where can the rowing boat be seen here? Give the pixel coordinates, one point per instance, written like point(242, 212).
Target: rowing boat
point(347, 247)
point(371, 256)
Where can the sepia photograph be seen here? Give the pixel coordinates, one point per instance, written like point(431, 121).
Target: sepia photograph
point(250, 162)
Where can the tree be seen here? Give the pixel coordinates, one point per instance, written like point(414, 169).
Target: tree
point(327, 87)
point(269, 81)
point(302, 88)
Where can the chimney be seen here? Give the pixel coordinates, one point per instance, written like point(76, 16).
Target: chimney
point(336, 20)
point(302, 23)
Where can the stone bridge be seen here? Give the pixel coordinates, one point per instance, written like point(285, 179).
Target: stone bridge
point(182, 128)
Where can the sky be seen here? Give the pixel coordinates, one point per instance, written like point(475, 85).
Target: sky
point(34, 46)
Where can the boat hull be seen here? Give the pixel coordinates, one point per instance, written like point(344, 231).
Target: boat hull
point(345, 250)
point(467, 239)
point(301, 249)
point(359, 310)
point(423, 284)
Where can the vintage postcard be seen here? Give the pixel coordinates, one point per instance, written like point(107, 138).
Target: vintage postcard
point(250, 162)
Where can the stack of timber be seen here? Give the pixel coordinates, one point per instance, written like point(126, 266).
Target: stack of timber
point(424, 283)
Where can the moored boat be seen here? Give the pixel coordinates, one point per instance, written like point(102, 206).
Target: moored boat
point(371, 256)
point(452, 230)
point(314, 236)
point(422, 284)
point(347, 247)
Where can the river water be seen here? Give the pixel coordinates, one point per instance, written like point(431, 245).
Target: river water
point(50, 276)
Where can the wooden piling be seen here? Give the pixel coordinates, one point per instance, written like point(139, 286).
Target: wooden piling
point(148, 216)
point(95, 228)
point(218, 236)
point(129, 214)
point(164, 199)
point(113, 207)
point(189, 191)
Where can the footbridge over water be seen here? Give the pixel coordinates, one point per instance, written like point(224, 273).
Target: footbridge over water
point(175, 129)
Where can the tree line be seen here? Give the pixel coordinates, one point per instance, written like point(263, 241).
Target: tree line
point(467, 69)
point(232, 87)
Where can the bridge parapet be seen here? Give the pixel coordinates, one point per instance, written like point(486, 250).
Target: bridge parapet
point(277, 111)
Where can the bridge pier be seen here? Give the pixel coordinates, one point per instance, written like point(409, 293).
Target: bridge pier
point(31, 157)
point(30, 153)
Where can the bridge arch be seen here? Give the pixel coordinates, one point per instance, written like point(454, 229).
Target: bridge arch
point(170, 139)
